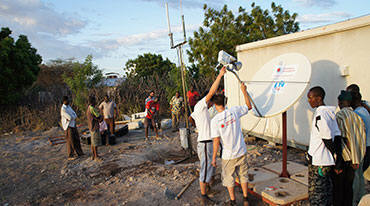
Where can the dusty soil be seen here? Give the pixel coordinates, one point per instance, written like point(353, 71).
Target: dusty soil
point(133, 171)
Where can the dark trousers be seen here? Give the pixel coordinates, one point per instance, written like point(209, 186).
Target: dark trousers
point(366, 159)
point(110, 124)
point(73, 142)
point(342, 186)
point(320, 189)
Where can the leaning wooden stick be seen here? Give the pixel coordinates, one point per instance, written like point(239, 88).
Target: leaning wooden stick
point(185, 188)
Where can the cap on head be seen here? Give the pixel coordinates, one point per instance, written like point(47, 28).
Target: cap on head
point(345, 96)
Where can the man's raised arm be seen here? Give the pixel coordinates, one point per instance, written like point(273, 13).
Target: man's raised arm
point(246, 96)
point(215, 84)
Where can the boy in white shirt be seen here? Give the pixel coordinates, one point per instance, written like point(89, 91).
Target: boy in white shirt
point(201, 119)
point(225, 128)
point(323, 149)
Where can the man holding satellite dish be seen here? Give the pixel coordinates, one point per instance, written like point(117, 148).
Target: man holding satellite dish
point(225, 128)
point(201, 119)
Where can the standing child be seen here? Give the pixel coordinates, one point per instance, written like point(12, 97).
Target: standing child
point(321, 149)
point(152, 108)
point(93, 119)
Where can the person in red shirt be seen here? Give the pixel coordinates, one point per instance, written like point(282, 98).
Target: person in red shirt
point(193, 97)
point(152, 111)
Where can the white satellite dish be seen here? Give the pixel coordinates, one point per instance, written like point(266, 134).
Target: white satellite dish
point(279, 83)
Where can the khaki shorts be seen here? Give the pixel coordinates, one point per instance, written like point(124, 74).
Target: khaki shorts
point(95, 138)
point(233, 168)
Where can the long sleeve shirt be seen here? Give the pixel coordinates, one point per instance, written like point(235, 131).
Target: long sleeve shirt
point(353, 131)
point(68, 117)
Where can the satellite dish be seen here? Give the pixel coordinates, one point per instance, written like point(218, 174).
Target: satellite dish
point(279, 83)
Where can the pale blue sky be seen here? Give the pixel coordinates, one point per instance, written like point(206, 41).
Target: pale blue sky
point(114, 31)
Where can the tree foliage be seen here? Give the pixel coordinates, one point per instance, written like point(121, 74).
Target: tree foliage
point(223, 30)
point(84, 76)
point(147, 65)
point(19, 66)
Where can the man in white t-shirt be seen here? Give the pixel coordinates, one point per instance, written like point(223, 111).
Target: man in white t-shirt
point(200, 118)
point(109, 109)
point(225, 128)
point(323, 149)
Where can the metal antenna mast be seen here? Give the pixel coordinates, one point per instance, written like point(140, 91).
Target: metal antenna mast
point(182, 68)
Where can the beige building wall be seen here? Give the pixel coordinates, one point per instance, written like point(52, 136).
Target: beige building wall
point(330, 49)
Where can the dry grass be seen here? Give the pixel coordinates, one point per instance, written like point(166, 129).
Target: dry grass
point(24, 118)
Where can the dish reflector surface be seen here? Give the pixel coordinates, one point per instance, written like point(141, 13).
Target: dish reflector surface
point(280, 83)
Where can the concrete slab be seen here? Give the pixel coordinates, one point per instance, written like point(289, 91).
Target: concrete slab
point(258, 175)
point(282, 191)
point(301, 177)
point(293, 167)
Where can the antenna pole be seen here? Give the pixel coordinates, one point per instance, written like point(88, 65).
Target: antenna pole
point(169, 26)
point(183, 27)
point(182, 70)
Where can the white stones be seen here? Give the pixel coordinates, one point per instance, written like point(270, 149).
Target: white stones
point(135, 125)
point(166, 123)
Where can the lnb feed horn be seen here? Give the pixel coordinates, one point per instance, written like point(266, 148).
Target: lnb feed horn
point(236, 66)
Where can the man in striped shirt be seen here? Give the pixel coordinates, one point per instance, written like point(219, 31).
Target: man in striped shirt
point(354, 147)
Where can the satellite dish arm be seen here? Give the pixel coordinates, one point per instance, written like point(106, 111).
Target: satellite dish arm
point(250, 98)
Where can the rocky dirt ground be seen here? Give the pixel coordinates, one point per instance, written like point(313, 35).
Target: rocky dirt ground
point(133, 172)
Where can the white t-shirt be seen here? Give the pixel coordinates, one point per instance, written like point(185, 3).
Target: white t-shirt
point(108, 109)
point(202, 120)
point(226, 125)
point(365, 116)
point(324, 126)
point(68, 116)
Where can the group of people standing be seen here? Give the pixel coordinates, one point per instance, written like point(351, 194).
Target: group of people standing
point(177, 109)
point(98, 120)
point(338, 154)
point(339, 148)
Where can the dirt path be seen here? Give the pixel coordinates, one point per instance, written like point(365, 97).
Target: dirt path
point(133, 172)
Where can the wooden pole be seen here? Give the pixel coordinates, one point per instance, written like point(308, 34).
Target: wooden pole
point(284, 172)
point(182, 69)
